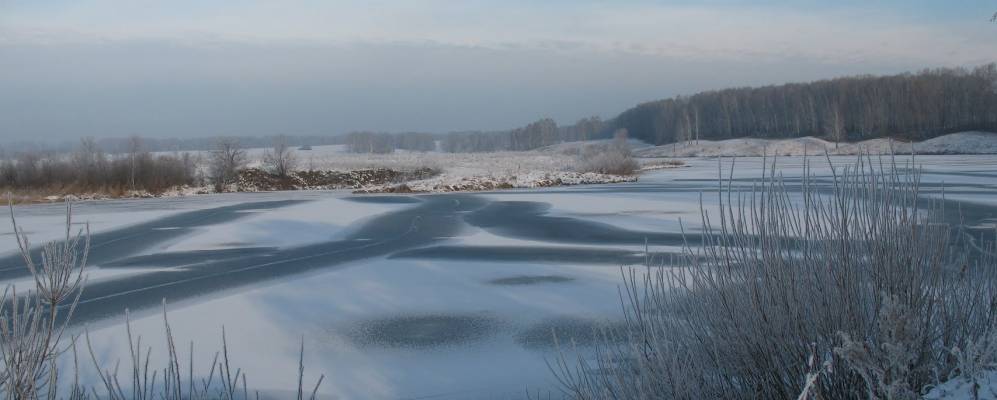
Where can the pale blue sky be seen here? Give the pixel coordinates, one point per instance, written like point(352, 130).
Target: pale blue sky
point(195, 68)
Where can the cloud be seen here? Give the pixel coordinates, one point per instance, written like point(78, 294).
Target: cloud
point(720, 32)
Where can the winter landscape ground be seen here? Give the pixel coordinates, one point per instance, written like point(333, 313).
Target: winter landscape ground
point(493, 199)
point(556, 165)
point(405, 296)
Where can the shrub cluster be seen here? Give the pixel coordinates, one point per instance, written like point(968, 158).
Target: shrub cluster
point(89, 169)
point(613, 158)
point(853, 290)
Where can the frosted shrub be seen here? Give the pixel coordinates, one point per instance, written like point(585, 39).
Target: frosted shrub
point(612, 159)
point(885, 361)
point(860, 277)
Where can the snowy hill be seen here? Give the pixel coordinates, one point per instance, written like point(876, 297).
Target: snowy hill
point(955, 143)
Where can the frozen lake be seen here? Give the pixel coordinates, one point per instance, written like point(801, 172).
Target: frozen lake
point(406, 297)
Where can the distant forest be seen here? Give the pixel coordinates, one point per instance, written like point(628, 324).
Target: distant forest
point(544, 132)
point(906, 106)
point(910, 106)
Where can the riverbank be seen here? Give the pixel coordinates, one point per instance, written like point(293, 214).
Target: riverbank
point(363, 181)
point(332, 167)
point(449, 183)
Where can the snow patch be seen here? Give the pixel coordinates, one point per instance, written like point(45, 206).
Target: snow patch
point(985, 388)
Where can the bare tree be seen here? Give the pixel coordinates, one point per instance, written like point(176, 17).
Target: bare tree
point(28, 166)
point(226, 159)
point(190, 162)
point(87, 160)
point(279, 158)
point(835, 125)
point(134, 148)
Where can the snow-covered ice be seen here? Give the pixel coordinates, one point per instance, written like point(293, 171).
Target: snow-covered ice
point(470, 320)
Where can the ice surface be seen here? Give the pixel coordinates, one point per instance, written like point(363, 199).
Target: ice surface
point(393, 326)
point(320, 220)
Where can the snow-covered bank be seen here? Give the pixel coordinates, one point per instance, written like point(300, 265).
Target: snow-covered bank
point(955, 143)
point(331, 167)
point(458, 183)
point(472, 171)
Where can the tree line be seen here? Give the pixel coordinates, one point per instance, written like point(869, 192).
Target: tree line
point(911, 106)
point(89, 168)
point(380, 143)
point(906, 106)
point(543, 132)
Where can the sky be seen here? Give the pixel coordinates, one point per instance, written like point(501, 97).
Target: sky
point(189, 68)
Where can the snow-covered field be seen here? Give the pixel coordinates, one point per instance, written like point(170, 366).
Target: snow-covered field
point(955, 143)
point(403, 297)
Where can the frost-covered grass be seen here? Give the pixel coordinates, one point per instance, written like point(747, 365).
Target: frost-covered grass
point(614, 158)
point(36, 346)
point(849, 291)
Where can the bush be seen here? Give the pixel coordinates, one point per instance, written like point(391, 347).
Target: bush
point(847, 291)
point(89, 169)
point(612, 159)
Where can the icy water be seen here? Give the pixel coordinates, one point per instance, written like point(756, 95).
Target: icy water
point(406, 297)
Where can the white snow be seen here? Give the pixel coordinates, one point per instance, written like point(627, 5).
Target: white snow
point(985, 388)
point(955, 143)
point(551, 166)
point(321, 220)
point(49, 224)
point(46, 222)
point(265, 323)
point(265, 326)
